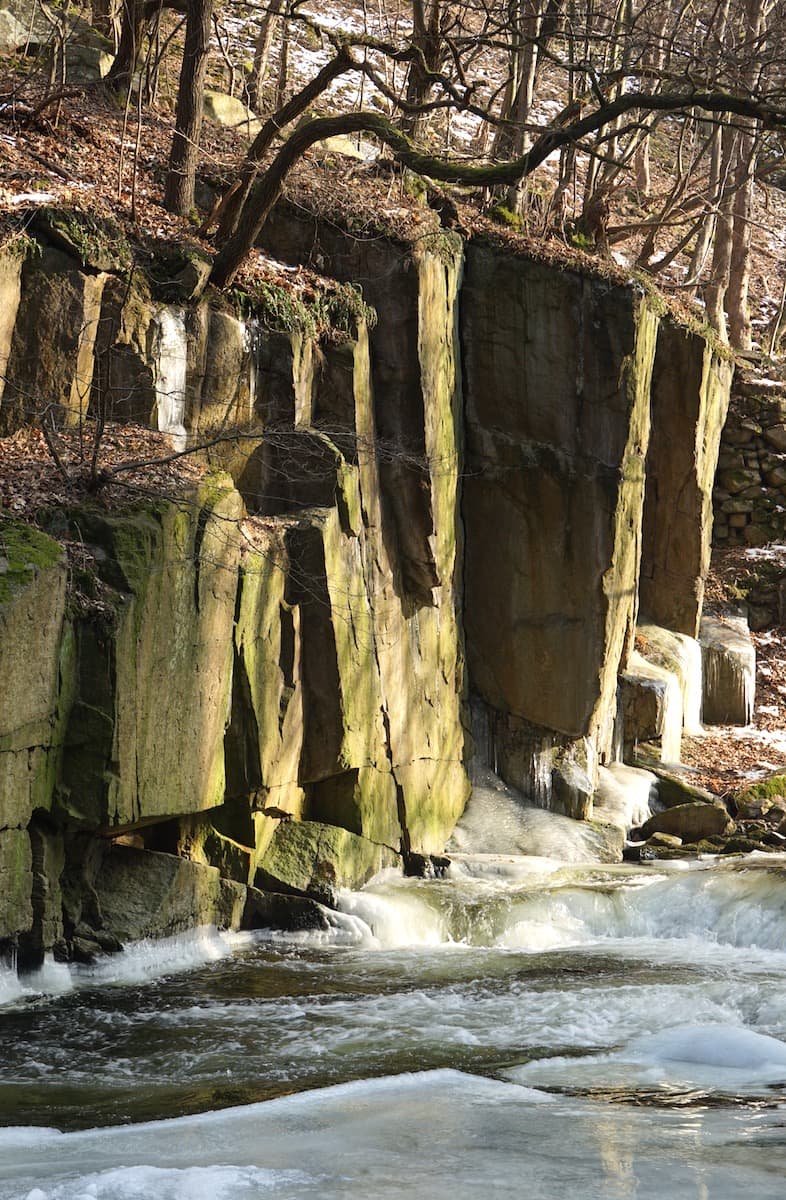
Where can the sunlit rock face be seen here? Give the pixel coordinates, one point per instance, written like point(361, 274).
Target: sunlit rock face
point(690, 396)
point(556, 372)
point(465, 475)
point(312, 672)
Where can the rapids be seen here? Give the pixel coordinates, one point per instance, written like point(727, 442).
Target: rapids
point(524, 1026)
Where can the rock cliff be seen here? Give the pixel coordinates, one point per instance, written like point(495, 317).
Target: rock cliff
point(446, 519)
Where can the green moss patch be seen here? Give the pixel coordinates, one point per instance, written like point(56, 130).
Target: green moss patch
point(333, 312)
point(96, 242)
point(23, 552)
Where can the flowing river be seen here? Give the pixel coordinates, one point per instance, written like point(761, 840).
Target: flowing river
point(522, 1027)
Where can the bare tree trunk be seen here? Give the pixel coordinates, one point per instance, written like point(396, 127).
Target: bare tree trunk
point(740, 333)
point(179, 190)
point(706, 233)
point(755, 17)
point(427, 39)
point(715, 292)
point(283, 66)
point(133, 18)
point(262, 47)
point(641, 167)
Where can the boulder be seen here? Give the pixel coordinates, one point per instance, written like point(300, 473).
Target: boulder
point(87, 63)
point(308, 858)
point(759, 798)
point(13, 34)
point(669, 840)
point(689, 822)
point(146, 894)
point(271, 910)
point(673, 787)
point(229, 111)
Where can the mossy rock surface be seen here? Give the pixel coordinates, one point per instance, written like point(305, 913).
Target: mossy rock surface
point(771, 788)
point(33, 664)
point(97, 243)
point(311, 859)
point(16, 881)
point(24, 551)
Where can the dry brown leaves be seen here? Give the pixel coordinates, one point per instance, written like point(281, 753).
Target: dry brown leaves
point(132, 463)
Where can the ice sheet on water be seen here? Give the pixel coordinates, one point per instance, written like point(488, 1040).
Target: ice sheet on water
point(715, 1046)
point(448, 1134)
point(719, 1059)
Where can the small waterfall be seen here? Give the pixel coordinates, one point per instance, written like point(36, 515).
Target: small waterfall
point(171, 356)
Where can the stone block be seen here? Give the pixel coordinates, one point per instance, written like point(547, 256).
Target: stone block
point(729, 670)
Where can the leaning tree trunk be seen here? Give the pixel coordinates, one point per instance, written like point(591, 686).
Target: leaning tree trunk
point(228, 212)
point(179, 190)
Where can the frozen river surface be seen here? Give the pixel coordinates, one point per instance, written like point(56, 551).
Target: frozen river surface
point(521, 1028)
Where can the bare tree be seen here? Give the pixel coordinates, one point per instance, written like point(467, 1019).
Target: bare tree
point(179, 191)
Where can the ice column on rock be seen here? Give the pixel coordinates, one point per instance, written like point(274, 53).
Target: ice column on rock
point(171, 365)
point(729, 662)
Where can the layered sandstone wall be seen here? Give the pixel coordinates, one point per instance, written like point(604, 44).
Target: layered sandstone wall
point(273, 692)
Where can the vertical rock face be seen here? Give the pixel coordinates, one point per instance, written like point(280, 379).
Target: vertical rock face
point(10, 292)
point(557, 370)
point(274, 685)
point(304, 669)
point(32, 646)
point(690, 392)
point(150, 691)
point(51, 358)
point(407, 406)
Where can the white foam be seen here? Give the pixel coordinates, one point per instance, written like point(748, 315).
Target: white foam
point(149, 958)
point(11, 988)
point(139, 962)
point(402, 917)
